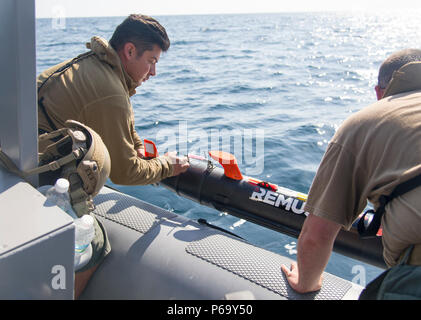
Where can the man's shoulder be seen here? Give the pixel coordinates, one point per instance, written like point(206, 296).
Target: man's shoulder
point(102, 76)
point(50, 70)
point(386, 117)
point(393, 108)
point(381, 110)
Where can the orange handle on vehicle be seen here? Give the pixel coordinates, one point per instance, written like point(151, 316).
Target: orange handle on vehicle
point(150, 149)
point(229, 163)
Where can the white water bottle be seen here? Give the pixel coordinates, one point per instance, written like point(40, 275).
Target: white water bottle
point(58, 195)
point(84, 234)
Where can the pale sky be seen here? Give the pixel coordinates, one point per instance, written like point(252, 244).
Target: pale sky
point(96, 8)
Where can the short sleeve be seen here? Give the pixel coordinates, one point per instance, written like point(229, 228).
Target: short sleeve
point(336, 191)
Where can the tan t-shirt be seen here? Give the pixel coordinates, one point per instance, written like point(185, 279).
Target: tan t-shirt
point(373, 151)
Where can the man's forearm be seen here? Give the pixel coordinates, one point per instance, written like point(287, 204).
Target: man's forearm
point(312, 258)
point(314, 248)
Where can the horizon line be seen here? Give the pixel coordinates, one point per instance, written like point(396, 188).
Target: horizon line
point(369, 11)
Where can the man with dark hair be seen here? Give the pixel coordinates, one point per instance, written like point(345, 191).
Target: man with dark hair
point(95, 89)
point(374, 150)
point(141, 30)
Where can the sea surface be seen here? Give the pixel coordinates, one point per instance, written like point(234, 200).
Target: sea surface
point(270, 88)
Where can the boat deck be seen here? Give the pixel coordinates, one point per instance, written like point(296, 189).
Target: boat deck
point(157, 254)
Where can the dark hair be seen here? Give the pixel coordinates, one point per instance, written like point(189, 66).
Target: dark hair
point(143, 31)
point(395, 62)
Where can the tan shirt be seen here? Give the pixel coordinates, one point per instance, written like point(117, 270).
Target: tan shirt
point(96, 91)
point(373, 151)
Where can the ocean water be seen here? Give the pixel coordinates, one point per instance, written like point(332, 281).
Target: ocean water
point(270, 88)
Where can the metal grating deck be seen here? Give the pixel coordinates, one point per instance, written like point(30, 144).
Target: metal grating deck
point(261, 267)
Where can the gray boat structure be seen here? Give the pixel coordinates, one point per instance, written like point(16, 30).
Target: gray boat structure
point(156, 254)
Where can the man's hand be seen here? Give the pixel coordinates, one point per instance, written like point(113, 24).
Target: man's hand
point(141, 153)
point(314, 247)
point(180, 164)
point(292, 275)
